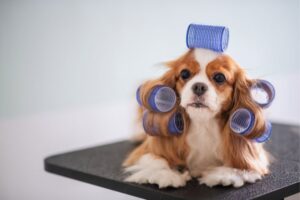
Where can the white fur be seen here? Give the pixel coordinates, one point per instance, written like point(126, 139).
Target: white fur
point(205, 160)
point(149, 169)
point(204, 142)
point(205, 56)
point(228, 176)
point(204, 134)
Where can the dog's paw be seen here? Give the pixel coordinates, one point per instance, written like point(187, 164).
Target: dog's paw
point(221, 176)
point(250, 176)
point(228, 176)
point(162, 177)
point(158, 172)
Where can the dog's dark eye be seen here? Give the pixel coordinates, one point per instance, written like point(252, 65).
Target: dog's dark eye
point(185, 74)
point(219, 78)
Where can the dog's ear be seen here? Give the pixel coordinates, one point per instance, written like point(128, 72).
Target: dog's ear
point(170, 77)
point(242, 99)
point(240, 151)
point(167, 79)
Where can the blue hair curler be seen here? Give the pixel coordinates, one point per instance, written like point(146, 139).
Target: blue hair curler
point(208, 37)
point(263, 93)
point(242, 121)
point(161, 99)
point(176, 124)
point(152, 125)
point(266, 135)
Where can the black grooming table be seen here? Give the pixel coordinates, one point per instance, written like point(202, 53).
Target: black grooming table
point(102, 166)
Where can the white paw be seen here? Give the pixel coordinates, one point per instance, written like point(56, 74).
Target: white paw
point(221, 176)
point(228, 176)
point(156, 171)
point(250, 176)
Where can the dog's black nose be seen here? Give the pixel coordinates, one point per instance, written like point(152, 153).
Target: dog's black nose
point(199, 88)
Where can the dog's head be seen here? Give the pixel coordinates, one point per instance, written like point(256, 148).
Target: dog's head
point(210, 85)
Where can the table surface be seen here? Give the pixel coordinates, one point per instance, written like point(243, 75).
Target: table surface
point(101, 166)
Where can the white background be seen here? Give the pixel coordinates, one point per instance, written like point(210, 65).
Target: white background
point(69, 70)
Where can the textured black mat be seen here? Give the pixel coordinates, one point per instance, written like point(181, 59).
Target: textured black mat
point(102, 166)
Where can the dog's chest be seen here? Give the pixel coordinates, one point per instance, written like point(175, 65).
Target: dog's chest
point(204, 142)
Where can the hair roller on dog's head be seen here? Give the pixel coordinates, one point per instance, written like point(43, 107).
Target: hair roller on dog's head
point(165, 124)
point(262, 93)
point(160, 99)
point(208, 37)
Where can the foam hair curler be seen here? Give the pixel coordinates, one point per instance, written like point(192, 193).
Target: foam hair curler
point(266, 135)
point(242, 121)
point(158, 124)
point(161, 98)
point(176, 124)
point(263, 93)
point(208, 37)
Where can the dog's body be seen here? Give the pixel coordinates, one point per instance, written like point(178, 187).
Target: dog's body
point(207, 149)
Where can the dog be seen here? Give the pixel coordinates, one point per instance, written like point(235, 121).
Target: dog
point(210, 86)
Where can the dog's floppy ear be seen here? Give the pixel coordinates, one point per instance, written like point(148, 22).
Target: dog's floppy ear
point(242, 99)
point(240, 151)
point(167, 79)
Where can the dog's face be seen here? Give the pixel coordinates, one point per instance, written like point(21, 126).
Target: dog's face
point(206, 90)
point(205, 82)
point(209, 85)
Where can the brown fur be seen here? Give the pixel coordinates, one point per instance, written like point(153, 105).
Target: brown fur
point(173, 149)
point(238, 151)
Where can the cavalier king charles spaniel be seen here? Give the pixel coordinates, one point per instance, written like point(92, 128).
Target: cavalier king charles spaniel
point(210, 86)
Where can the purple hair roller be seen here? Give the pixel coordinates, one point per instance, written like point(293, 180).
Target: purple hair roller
point(263, 93)
point(175, 124)
point(266, 135)
point(161, 99)
point(242, 121)
point(208, 37)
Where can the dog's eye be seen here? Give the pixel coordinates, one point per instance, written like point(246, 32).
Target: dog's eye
point(219, 78)
point(185, 74)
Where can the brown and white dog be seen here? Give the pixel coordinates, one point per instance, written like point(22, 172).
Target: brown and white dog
point(211, 86)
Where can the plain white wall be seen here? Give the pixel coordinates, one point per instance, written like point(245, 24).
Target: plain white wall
point(65, 64)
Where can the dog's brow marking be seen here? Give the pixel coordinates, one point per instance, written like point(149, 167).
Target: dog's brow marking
point(204, 56)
